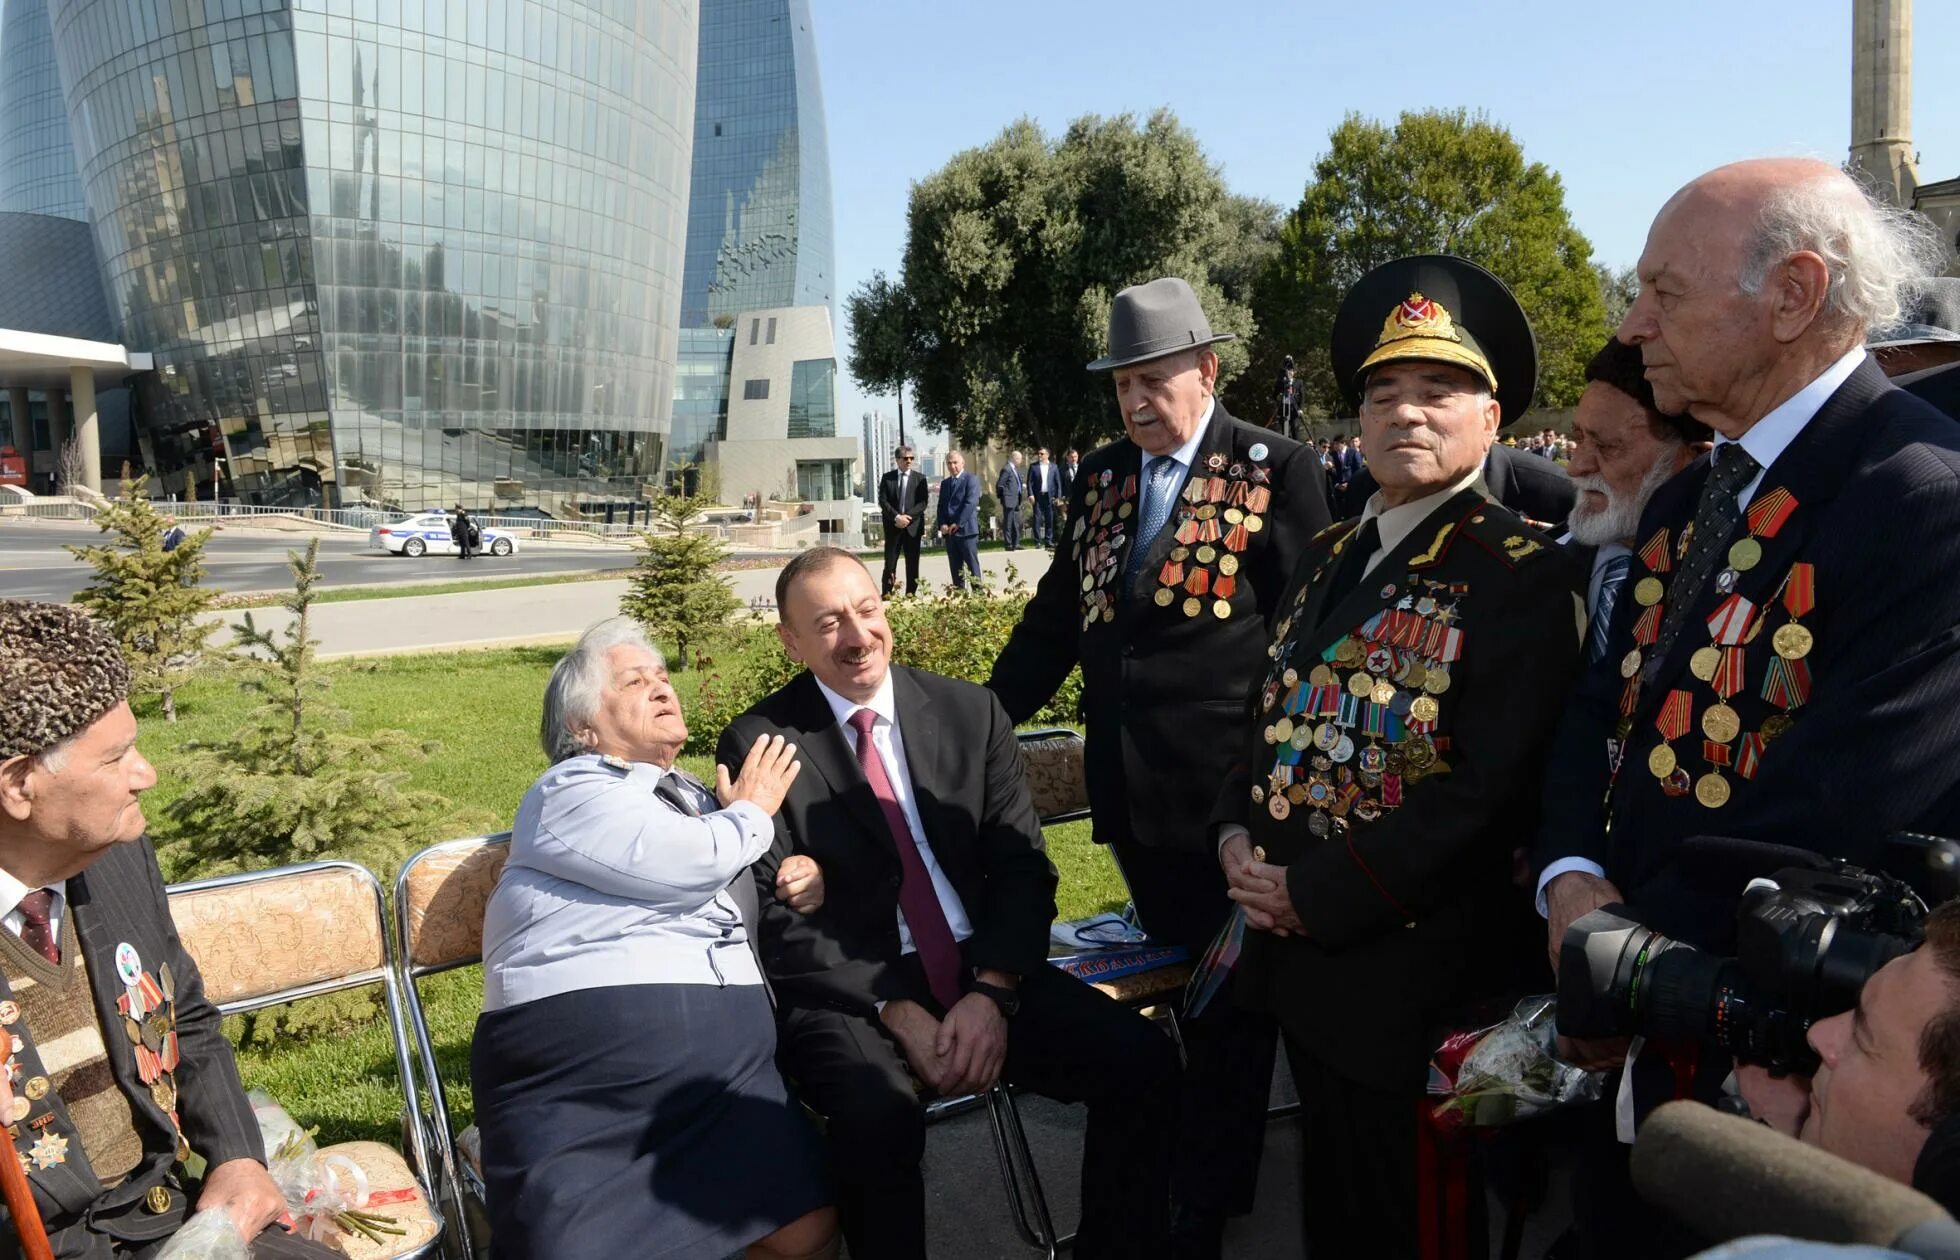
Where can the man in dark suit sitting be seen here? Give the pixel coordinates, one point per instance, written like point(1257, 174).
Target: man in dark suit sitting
point(902, 495)
point(101, 1127)
point(928, 960)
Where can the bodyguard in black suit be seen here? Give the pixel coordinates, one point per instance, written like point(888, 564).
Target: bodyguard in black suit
point(1168, 642)
point(902, 493)
point(1530, 485)
point(1398, 733)
point(928, 958)
point(87, 915)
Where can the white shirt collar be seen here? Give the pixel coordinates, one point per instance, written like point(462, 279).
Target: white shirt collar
point(1769, 436)
point(884, 704)
point(12, 892)
point(1189, 451)
point(1396, 523)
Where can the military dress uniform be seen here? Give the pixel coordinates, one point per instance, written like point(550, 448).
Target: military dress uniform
point(1169, 643)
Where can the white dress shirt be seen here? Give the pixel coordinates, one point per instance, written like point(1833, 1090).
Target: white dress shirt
point(890, 743)
point(12, 892)
point(607, 885)
point(1765, 441)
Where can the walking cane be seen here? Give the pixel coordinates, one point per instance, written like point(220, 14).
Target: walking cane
point(20, 1206)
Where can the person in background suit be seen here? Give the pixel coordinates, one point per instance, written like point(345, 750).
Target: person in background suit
point(929, 957)
point(1043, 486)
point(1398, 732)
point(1816, 580)
point(902, 498)
point(1009, 489)
point(959, 520)
point(1071, 467)
point(1536, 488)
point(102, 1135)
point(1349, 467)
point(1185, 532)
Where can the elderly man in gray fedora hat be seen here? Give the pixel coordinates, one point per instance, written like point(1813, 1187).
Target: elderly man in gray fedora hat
point(1181, 537)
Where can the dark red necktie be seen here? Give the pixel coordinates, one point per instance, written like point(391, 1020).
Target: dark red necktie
point(925, 918)
point(34, 926)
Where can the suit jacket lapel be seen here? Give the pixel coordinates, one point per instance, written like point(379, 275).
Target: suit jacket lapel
point(918, 724)
point(825, 747)
point(1812, 468)
point(1423, 545)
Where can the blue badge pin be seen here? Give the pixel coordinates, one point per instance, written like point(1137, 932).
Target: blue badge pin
point(1258, 452)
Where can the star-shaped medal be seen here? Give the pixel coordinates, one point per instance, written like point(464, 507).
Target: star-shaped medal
point(48, 1150)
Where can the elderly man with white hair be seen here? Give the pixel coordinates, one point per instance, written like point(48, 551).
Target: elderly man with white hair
point(1789, 664)
point(624, 1065)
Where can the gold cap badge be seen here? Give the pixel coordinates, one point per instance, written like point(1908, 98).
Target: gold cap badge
point(1420, 328)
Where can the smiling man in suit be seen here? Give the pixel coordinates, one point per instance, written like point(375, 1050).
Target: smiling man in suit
point(1400, 728)
point(103, 1123)
point(928, 959)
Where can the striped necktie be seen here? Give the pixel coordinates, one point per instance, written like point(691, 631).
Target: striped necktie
point(1715, 519)
point(1610, 583)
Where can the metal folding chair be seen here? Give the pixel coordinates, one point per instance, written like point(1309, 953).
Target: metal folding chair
point(267, 937)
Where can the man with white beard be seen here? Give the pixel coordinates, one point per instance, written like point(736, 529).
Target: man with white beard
point(1624, 450)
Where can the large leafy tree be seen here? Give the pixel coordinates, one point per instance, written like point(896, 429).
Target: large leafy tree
point(1436, 182)
point(1012, 254)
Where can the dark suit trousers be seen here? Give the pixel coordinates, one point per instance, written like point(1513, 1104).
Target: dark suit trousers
point(1228, 1050)
point(1044, 520)
point(1373, 1182)
point(1068, 1042)
point(963, 553)
point(1010, 525)
point(906, 542)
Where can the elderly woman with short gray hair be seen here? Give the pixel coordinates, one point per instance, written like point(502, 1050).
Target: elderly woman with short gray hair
point(624, 1065)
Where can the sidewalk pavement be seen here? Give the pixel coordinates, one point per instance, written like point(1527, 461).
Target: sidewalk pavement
point(519, 616)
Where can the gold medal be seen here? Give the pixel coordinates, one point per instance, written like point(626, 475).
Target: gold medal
point(1123, 511)
point(134, 1029)
point(1630, 664)
point(1109, 614)
point(1424, 709)
point(1228, 564)
point(1661, 761)
point(1648, 591)
point(1361, 685)
point(1704, 662)
point(1164, 596)
point(1280, 731)
point(1088, 583)
point(1290, 677)
point(1207, 554)
point(164, 1094)
point(1437, 681)
point(1258, 852)
point(1234, 515)
point(1712, 790)
point(1418, 676)
point(1774, 725)
point(1258, 795)
point(1297, 793)
point(1745, 555)
point(1180, 554)
point(1221, 609)
point(1321, 675)
point(1721, 723)
point(1792, 642)
point(1384, 693)
point(157, 1200)
point(1191, 606)
point(1270, 736)
point(1279, 807)
point(1089, 499)
point(1253, 524)
point(36, 1088)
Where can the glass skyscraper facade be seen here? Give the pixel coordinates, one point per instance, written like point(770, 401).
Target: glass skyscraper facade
point(402, 252)
point(37, 158)
point(759, 216)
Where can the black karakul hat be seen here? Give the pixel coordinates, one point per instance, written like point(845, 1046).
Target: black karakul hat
point(1441, 309)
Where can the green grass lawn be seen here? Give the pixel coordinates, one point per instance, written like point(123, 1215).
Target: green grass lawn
point(484, 708)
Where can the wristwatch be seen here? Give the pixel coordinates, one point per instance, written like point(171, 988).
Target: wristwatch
point(1008, 1000)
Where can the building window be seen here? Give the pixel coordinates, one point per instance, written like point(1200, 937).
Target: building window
point(818, 480)
point(756, 390)
point(755, 325)
point(771, 338)
point(813, 398)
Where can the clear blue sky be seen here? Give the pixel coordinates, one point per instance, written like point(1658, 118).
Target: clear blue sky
point(1626, 104)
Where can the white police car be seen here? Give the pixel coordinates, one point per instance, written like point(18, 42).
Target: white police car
point(428, 534)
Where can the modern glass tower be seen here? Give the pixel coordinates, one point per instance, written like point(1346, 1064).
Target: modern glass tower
point(759, 215)
point(396, 252)
point(37, 158)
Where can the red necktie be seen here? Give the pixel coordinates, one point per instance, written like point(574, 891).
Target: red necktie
point(932, 937)
point(34, 926)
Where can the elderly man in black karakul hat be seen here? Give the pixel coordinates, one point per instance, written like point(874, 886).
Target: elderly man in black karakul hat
point(1399, 730)
point(116, 1069)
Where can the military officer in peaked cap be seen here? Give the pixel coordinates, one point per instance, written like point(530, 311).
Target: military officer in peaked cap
point(1400, 720)
point(115, 1068)
point(1180, 536)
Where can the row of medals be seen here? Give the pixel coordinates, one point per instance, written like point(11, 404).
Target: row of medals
point(1100, 538)
point(1381, 675)
point(49, 1148)
point(1719, 722)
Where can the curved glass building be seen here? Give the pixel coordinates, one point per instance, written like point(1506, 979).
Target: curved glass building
point(759, 219)
point(399, 252)
point(37, 158)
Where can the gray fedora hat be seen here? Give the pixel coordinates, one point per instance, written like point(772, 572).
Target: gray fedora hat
point(1933, 316)
point(1149, 321)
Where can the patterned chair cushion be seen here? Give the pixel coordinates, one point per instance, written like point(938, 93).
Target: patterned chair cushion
point(1055, 776)
point(278, 933)
point(388, 1177)
point(448, 889)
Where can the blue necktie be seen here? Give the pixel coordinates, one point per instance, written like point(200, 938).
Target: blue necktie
point(1159, 493)
point(1610, 583)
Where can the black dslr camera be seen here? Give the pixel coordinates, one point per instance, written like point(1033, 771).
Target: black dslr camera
point(1807, 939)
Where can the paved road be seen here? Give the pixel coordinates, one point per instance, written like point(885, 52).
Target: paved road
point(34, 563)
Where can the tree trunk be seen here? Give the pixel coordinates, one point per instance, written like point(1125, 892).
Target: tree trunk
point(169, 704)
